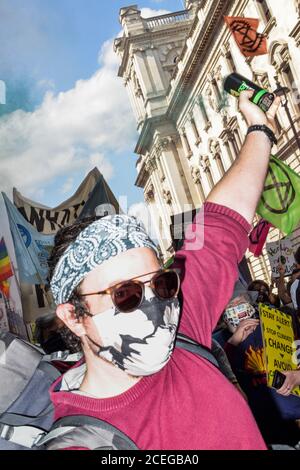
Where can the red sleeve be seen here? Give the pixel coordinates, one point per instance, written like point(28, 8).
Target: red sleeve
point(214, 245)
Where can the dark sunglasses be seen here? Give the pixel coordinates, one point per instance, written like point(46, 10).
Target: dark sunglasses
point(128, 295)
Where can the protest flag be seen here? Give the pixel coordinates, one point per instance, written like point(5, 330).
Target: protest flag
point(258, 237)
point(4, 288)
point(5, 265)
point(101, 201)
point(31, 247)
point(250, 42)
point(280, 200)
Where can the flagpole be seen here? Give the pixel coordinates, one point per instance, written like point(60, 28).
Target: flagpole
point(16, 278)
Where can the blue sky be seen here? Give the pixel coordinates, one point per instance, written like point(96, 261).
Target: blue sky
point(66, 111)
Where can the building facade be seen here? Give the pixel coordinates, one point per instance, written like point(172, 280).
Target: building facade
point(190, 132)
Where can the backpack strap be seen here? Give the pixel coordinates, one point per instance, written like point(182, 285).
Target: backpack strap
point(62, 356)
point(24, 436)
point(84, 431)
point(184, 342)
point(15, 373)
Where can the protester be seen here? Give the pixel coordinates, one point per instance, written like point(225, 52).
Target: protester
point(111, 292)
point(292, 380)
point(265, 294)
point(275, 415)
point(47, 333)
point(283, 290)
point(295, 287)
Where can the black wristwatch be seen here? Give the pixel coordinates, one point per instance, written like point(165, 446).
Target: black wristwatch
point(265, 129)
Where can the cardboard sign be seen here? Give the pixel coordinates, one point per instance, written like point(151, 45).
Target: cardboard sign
point(278, 338)
point(281, 252)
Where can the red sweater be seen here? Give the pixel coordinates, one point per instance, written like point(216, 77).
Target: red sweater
point(189, 404)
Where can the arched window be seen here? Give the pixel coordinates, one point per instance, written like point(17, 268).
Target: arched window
point(195, 171)
point(186, 144)
point(230, 61)
point(195, 130)
point(220, 164)
point(264, 10)
point(208, 173)
point(204, 112)
point(280, 58)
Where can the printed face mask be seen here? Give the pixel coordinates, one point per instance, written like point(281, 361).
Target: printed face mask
point(139, 342)
point(233, 315)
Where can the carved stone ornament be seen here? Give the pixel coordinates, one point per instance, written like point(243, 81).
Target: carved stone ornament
point(217, 73)
point(214, 147)
point(195, 172)
point(149, 194)
point(136, 85)
point(167, 196)
point(151, 165)
point(211, 98)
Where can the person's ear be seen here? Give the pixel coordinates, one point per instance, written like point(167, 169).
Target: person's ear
point(66, 313)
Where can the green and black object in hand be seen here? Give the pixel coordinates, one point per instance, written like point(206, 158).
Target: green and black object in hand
point(235, 83)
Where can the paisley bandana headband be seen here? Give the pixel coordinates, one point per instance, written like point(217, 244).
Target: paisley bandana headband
point(107, 237)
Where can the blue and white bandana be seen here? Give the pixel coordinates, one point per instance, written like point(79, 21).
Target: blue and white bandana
point(104, 238)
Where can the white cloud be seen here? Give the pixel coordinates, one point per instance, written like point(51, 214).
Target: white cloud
point(68, 131)
point(46, 84)
point(149, 12)
point(99, 160)
point(68, 185)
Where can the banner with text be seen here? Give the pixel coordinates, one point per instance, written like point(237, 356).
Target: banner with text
point(278, 337)
point(49, 220)
point(281, 252)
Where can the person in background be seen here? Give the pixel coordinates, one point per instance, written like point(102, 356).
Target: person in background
point(275, 414)
point(295, 287)
point(283, 290)
point(292, 380)
point(47, 333)
point(54, 337)
point(265, 294)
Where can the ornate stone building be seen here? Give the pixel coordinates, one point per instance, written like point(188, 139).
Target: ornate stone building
point(189, 131)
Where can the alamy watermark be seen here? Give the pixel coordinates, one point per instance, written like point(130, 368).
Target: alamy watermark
point(2, 92)
point(183, 225)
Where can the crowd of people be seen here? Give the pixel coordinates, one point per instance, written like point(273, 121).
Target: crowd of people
point(118, 305)
point(277, 412)
point(237, 345)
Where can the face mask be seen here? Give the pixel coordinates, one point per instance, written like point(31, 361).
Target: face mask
point(140, 342)
point(233, 315)
point(263, 297)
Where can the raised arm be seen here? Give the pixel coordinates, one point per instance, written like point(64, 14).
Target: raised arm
point(209, 258)
point(241, 187)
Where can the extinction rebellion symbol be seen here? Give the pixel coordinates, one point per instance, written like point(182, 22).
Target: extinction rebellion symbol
point(279, 183)
point(250, 40)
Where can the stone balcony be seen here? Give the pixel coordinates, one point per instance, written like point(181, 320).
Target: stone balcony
point(169, 19)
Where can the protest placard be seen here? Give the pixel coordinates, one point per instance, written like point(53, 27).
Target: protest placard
point(278, 338)
point(281, 252)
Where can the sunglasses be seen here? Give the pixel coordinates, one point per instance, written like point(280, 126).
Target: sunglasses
point(127, 296)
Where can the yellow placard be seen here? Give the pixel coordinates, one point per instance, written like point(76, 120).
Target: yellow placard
point(278, 338)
